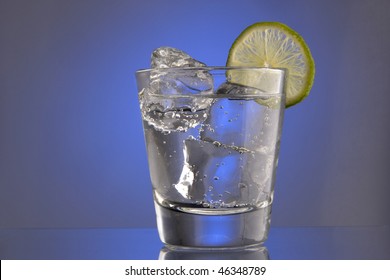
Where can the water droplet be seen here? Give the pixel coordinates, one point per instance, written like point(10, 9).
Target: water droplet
point(206, 205)
point(170, 114)
point(216, 178)
point(217, 144)
point(216, 204)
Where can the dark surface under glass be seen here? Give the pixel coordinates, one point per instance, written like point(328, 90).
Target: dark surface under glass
point(284, 243)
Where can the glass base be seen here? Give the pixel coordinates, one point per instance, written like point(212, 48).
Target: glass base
point(257, 252)
point(225, 231)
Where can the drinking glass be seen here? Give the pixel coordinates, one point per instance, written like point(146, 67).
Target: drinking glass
point(212, 138)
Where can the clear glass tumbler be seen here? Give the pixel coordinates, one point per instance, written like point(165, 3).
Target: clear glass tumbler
point(212, 137)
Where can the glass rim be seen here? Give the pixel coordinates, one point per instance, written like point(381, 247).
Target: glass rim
point(208, 68)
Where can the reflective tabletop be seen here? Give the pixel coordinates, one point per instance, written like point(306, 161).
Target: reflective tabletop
point(284, 243)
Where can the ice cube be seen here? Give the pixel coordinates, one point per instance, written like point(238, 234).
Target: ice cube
point(176, 81)
point(174, 100)
point(237, 91)
point(171, 114)
point(238, 118)
point(223, 176)
point(216, 173)
point(167, 57)
point(183, 82)
point(233, 121)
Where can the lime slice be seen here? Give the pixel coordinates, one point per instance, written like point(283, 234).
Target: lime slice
point(275, 45)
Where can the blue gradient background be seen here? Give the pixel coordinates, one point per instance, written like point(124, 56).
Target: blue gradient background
point(72, 151)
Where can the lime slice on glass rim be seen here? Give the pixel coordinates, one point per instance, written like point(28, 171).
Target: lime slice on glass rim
point(274, 45)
